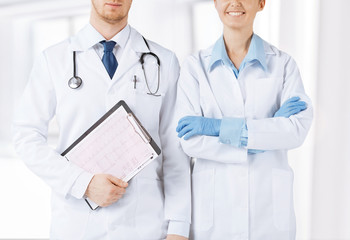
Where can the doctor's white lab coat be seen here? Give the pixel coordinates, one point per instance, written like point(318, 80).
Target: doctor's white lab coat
point(157, 200)
point(236, 196)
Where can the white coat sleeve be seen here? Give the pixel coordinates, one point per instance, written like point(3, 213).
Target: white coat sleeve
point(280, 132)
point(30, 127)
point(188, 104)
point(176, 165)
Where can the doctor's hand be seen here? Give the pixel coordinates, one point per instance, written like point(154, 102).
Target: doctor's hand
point(105, 189)
point(290, 107)
point(175, 237)
point(190, 126)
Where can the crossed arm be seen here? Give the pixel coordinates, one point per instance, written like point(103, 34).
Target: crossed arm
point(190, 126)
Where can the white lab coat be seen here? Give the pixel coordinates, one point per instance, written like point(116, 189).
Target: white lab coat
point(159, 193)
point(235, 195)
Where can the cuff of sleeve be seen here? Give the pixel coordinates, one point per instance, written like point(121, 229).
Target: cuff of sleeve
point(80, 185)
point(244, 136)
point(179, 228)
point(231, 131)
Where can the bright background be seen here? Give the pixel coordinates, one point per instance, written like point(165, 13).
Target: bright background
point(315, 32)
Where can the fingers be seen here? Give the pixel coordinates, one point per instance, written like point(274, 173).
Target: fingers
point(292, 99)
point(105, 189)
point(187, 132)
point(186, 127)
point(255, 151)
point(183, 122)
point(293, 111)
point(190, 134)
point(117, 191)
point(116, 181)
point(113, 194)
point(184, 131)
point(297, 104)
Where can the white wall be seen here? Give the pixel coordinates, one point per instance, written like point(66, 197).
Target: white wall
point(331, 191)
point(298, 36)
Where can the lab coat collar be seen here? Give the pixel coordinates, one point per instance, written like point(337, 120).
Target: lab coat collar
point(137, 42)
point(134, 47)
point(258, 50)
point(86, 38)
point(89, 36)
point(122, 37)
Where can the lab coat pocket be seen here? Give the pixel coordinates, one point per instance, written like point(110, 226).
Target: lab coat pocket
point(147, 109)
point(203, 199)
point(282, 187)
point(69, 219)
point(267, 91)
point(150, 223)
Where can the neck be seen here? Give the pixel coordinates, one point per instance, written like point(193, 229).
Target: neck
point(237, 44)
point(107, 29)
point(237, 41)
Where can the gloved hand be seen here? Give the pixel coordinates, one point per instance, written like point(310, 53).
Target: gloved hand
point(290, 107)
point(190, 126)
point(255, 151)
point(244, 142)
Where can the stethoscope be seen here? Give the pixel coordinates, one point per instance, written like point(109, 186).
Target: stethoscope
point(76, 82)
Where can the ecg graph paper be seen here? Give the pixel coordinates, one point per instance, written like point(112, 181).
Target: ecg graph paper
point(116, 146)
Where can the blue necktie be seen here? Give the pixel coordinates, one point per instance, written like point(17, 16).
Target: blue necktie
point(108, 58)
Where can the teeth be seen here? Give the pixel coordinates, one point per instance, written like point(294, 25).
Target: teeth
point(235, 13)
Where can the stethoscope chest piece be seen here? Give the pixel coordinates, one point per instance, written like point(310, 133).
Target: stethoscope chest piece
point(75, 82)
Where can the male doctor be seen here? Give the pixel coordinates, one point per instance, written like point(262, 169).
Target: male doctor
point(156, 202)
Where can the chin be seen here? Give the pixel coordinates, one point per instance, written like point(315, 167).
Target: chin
point(113, 18)
point(235, 26)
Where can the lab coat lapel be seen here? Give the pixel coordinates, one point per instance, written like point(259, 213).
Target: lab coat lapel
point(82, 43)
point(209, 100)
point(227, 91)
point(131, 55)
point(134, 48)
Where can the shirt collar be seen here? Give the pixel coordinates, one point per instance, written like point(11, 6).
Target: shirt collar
point(255, 52)
point(122, 37)
point(89, 36)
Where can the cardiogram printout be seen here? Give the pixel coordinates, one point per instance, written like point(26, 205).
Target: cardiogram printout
point(117, 144)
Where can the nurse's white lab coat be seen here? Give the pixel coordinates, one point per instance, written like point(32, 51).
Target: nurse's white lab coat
point(159, 193)
point(235, 195)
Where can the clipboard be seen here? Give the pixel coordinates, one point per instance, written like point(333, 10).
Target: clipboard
point(116, 144)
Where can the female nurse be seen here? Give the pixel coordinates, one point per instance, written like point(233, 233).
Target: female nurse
point(242, 106)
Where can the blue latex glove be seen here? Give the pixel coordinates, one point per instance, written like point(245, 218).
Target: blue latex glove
point(194, 125)
point(290, 107)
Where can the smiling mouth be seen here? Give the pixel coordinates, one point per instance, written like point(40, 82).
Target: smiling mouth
point(235, 14)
